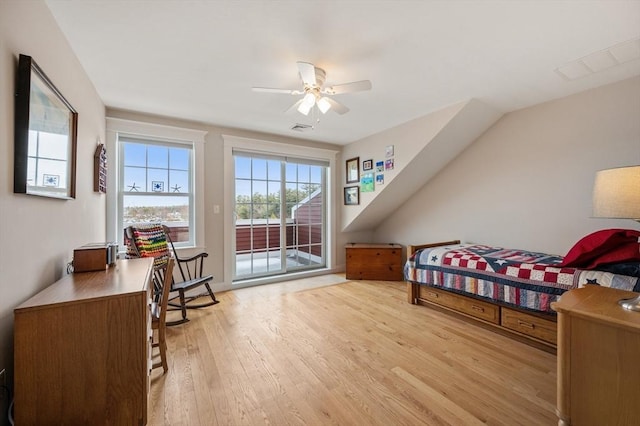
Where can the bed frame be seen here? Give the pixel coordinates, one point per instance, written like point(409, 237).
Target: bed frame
point(536, 329)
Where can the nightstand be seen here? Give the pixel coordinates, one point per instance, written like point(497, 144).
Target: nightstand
point(598, 358)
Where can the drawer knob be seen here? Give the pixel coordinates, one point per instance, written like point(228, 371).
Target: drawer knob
point(434, 295)
point(477, 308)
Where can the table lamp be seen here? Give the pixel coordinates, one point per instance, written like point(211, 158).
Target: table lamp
point(616, 194)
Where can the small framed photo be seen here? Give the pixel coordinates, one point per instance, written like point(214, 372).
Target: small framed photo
point(51, 180)
point(353, 170)
point(367, 182)
point(388, 164)
point(351, 195)
point(367, 165)
point(157, 186)
point(388, 151)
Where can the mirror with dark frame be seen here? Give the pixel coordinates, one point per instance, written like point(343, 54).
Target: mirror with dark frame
point(45, 136)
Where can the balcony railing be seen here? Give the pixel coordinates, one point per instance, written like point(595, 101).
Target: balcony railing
point(261, 236)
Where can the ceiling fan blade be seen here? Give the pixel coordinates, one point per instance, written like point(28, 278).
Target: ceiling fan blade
point(274, 90)
point(294, 107)
point(307, 73)
point(356, 86)
point(337, 106)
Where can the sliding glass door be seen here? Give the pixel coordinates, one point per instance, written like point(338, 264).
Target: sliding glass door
point(280, 215)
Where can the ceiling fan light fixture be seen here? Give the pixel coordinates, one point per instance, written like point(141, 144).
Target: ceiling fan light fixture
point(308, 102)
point(304, 109)
point(309, 99)
point(315, 94)
point(323, 105)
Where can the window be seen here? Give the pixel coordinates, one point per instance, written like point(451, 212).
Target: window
point(156, 185)
point(291, 182)
point(173, 158)
point(265, 187)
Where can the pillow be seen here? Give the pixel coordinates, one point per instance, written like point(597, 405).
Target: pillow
point(631, 269)
point(605, 246)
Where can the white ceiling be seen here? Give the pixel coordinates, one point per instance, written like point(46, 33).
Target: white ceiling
point(198, 60)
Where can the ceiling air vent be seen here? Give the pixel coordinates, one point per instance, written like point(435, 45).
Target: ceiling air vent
point(301, 127)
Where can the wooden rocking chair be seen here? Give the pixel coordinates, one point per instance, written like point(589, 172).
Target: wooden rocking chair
point(154, 240)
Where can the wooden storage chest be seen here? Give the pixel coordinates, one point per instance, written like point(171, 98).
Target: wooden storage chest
point(374, 262)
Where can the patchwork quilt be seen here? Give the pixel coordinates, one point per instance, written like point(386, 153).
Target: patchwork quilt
point(513, 277)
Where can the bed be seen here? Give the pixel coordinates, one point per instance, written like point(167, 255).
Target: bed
point(510, 290)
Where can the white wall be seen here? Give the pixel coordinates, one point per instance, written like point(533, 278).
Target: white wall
point(38, 235)
point(421, 148)
point(407, 139)
point(527, 182)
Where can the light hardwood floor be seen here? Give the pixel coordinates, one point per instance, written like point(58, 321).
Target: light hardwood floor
point(329, 351)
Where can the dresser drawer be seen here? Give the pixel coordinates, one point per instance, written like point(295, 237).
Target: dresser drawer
point(467, 305)
point(530, 325)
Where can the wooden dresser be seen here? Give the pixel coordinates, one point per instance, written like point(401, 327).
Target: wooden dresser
point(82, 352)
point(374, 262)
point(598, 358)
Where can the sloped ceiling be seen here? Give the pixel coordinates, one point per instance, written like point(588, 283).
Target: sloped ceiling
point(429, 144)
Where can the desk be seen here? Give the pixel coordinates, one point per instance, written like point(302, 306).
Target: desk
point(598, 350)
point(82, 350)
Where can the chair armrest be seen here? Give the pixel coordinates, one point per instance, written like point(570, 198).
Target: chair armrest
point(191, 267)
point(191, 258)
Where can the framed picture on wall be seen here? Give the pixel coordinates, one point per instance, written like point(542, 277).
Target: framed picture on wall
point(45, 137)
point(353, 170)
point(367, 165)
point(367, 183)
point(388, 151)
point(388, 164)
point(351, 195)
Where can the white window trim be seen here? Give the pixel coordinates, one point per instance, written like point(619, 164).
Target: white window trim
point(283, 149)
point(116, 126)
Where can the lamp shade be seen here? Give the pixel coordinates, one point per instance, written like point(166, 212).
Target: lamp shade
point(616, 193)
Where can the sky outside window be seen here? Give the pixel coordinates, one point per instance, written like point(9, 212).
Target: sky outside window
point(168, 167)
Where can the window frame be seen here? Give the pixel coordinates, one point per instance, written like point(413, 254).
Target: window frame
point(118, 129)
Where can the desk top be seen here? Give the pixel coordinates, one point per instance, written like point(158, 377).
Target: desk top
point(599, 304)
point(125, 277)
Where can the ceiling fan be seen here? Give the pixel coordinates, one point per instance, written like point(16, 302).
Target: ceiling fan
point(315, 94)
